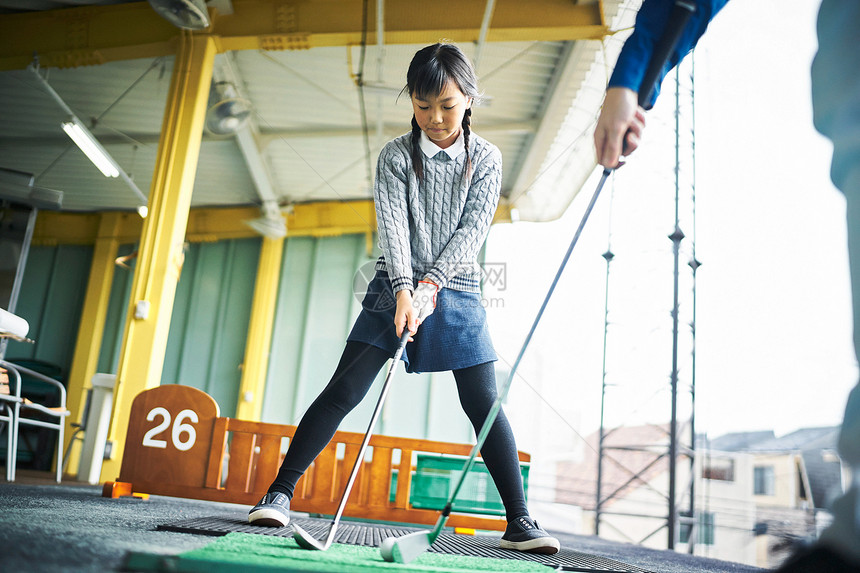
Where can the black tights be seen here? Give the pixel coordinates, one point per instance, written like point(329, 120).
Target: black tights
point(358, 367)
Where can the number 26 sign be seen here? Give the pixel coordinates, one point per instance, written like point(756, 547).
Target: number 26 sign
point(169, 436)
point(180, 426)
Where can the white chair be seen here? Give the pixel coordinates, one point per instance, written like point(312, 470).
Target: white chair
point(22, 411)
point(9, 405)
point(13, 327)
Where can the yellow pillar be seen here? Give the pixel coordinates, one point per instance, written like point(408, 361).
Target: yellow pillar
point(160, 254)
point(91, 328)
point(258, 345)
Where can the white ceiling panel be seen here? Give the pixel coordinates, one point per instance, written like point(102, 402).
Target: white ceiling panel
point(309, 133)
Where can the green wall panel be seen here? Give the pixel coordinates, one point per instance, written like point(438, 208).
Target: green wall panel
point(179, 318)
point(312, 319)
point(328, 313)
point(288, 332)
point(209, 327)
point(51, 300)
point(232, 326)
point(209, 324)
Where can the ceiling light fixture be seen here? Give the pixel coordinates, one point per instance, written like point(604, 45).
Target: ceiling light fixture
point(86, 140)
point(87, 143)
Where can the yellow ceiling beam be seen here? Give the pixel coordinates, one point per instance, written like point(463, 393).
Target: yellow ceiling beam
point(205, 224)
point(85, 36)
point(63, 228)
point(320, 219)
point(257, 24)
point(95, 35)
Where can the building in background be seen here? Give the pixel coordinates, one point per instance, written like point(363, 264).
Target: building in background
point(756, 494)
point(794, 479)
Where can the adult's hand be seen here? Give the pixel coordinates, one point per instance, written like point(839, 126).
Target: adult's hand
point(619, 127)
point(424, 300)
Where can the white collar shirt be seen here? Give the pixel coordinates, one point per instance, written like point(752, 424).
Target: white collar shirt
point(430, 149)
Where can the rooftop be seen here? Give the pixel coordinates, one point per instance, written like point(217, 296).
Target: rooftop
point(803, 439)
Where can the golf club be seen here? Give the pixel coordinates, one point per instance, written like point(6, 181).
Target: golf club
point(302, 537)
point(406, 548)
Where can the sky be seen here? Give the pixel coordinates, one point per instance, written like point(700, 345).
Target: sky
point(773, 317)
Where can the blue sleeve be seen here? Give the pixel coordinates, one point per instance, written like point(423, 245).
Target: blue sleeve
point(650, 22)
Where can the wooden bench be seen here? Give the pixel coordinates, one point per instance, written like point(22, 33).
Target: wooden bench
point(177, 445)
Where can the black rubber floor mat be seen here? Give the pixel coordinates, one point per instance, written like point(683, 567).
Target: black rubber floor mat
point(371, 535)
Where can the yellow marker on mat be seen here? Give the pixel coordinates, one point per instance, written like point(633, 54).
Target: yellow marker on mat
point(464, 530)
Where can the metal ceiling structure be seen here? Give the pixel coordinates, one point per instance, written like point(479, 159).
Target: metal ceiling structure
point(308, 69)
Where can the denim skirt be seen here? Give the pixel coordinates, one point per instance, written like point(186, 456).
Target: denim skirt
point(455, 336)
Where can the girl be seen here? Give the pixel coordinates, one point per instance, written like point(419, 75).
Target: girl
point(436, 192)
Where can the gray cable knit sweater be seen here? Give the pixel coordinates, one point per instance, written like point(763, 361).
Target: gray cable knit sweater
point(433, 230)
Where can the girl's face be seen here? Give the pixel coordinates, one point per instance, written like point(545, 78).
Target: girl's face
point(441, 116)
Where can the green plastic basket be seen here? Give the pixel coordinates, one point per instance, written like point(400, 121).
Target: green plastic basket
point(436, 476)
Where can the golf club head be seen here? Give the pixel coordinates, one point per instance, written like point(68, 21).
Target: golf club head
point(306, 540)
point(406, 548)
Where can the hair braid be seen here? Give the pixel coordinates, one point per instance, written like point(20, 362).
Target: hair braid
point(467, 123)
point(417, 164)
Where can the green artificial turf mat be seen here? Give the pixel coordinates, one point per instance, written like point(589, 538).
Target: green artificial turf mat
point(263, 553)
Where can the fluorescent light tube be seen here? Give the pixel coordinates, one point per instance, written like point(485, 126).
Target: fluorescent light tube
point(87, 142)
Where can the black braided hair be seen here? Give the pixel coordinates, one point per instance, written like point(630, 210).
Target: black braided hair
point(467, 122)
point(417, 162)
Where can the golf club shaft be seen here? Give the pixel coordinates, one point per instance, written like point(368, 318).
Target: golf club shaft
point(497, 405)
point(358, 460)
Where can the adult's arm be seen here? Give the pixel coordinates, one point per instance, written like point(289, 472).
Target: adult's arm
point(639, 47)
point(622, 120)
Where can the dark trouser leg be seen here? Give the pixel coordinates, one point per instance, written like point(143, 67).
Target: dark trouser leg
point(358, 367)
point(849, 442)
point(836, 106)
point(477, 389)
point(844, 533)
